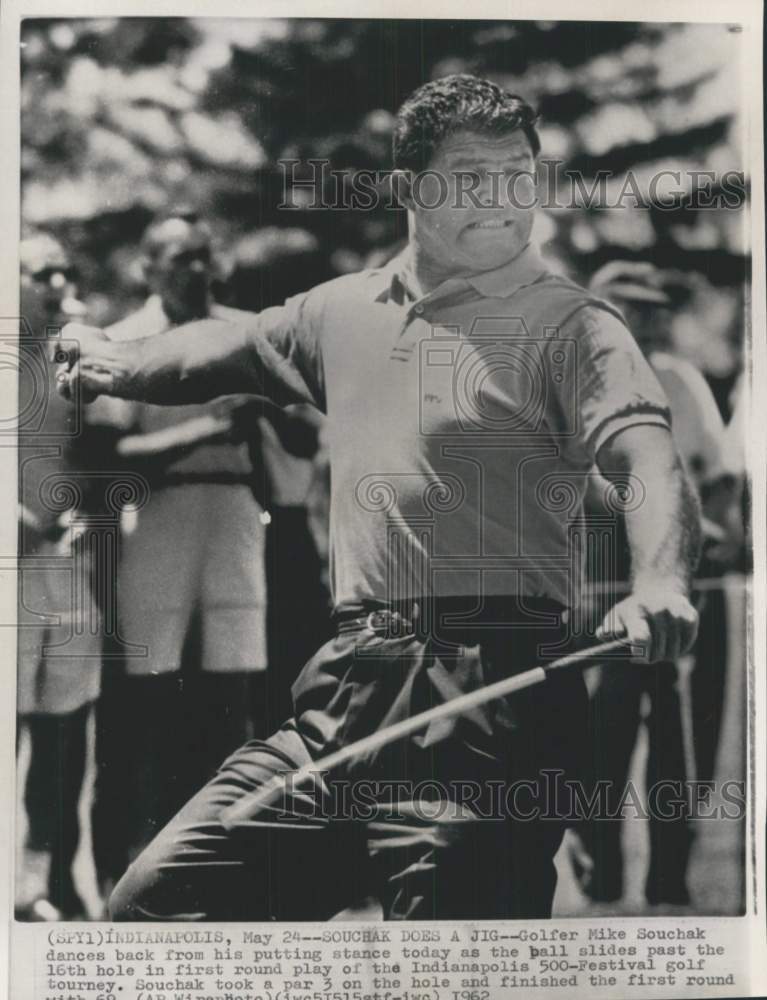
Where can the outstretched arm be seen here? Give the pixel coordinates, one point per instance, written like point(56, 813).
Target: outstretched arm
point(273, 353)
point(664, 539)
point(190, 364)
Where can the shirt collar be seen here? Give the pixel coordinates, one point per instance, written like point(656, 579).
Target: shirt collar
point(396, 284)
point(502, 282)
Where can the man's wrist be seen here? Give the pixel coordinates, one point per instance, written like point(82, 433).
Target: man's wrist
point(657, 583)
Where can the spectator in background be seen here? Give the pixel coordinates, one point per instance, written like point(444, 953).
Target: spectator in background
point(59, 635)
point(682, 737)
point(191, 581)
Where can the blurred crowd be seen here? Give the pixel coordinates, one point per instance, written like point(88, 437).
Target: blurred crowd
point(163, 551)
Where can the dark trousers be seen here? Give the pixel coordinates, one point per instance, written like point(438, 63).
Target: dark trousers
point(158, 738)
point(615, 720)
point(707, 682)
point(52, 795)
point(459, 822)
point(293, 581)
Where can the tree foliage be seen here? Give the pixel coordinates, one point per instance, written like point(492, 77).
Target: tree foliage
point(124, 116)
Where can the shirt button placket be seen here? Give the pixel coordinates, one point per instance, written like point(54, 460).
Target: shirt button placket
point(407, 337)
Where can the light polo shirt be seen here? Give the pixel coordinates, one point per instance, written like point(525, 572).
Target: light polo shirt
point(462, 424)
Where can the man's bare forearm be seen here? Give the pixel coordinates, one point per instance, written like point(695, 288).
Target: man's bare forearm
point(191, 364)
point(177, 440)
point(188, 365)
point(664, 532)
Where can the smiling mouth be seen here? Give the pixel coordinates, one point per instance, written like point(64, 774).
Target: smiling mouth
point(491, 224)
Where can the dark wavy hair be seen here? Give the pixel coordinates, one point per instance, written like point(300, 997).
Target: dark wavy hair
point(452, 104)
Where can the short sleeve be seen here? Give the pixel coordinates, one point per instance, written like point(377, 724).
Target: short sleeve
point(615, 387)
point(284, 343)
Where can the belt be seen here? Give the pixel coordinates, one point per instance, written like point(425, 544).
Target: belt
point(380, 621)
point(401, 619)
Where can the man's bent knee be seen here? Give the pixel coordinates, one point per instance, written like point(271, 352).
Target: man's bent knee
point(125, 900)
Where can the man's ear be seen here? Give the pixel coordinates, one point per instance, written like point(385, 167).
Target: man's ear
point(402, 187)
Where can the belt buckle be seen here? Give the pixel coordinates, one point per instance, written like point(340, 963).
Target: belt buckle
point(388, 623)
point(377, 621)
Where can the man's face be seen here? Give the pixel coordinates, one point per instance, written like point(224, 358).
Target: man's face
point(484, 192)
point(45, 295)
point(181, 270)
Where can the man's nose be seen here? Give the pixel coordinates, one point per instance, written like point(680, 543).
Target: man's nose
point(486, 190)
point(494, 190)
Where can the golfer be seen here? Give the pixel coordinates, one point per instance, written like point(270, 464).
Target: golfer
point(469, 394)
